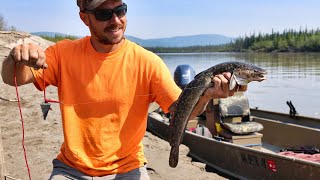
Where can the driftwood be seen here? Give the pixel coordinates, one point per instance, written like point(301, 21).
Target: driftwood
point(9, 100)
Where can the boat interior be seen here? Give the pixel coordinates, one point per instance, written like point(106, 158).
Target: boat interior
point(250, 145)
point(230, 120)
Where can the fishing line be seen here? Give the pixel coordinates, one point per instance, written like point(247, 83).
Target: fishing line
point(22, 121)
point(53, 101)
point(44, 92)
point(99, 101)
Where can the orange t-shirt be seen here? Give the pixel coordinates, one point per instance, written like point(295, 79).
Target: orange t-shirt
point(105, 99)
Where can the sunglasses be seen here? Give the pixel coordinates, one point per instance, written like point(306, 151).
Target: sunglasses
point(106, 14)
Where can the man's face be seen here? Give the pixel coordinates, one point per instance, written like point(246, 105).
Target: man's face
point(111, 31)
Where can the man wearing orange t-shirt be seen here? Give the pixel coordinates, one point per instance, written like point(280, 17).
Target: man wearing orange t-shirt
point(105, 85)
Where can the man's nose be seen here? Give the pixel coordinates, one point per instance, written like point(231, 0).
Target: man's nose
point(115, 18)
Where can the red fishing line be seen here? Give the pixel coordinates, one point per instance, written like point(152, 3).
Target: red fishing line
point(22, 122)
point(44, 92)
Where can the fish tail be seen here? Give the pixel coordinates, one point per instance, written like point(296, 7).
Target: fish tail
point(174, 156)
point(171, 134)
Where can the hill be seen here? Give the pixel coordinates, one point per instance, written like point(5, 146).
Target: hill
point(49, 34)
point(178, 41)
point(183, 41)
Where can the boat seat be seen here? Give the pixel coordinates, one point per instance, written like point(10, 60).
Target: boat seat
point(234, 115)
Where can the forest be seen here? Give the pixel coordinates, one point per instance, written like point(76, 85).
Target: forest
point(286, 41)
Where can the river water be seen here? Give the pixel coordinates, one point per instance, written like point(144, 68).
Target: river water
point(291, 77)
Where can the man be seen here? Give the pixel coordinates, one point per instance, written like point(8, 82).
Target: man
point(105, 85)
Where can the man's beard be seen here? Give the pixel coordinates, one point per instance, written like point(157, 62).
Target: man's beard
point(105, 39)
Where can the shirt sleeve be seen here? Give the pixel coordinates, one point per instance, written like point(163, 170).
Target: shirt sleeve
point(48, 76)
point(164, 89)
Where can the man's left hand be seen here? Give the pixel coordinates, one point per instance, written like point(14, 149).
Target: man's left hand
point(221, 87)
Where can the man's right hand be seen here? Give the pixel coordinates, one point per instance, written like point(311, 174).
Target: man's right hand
point(30, 55)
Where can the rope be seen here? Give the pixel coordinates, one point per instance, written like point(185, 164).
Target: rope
point(22, 122)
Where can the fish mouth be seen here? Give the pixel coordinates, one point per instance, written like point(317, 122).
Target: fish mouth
point(260, 76)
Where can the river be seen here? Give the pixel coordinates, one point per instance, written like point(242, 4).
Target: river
point(291, 77)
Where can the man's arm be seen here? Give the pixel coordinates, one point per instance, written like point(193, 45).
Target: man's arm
point(220, 90)
point(23, 72)
point(23, 56)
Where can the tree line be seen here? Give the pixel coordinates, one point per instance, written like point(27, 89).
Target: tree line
point(303, 40)
point(189, 49)
point(57, 37)
point(286, 41)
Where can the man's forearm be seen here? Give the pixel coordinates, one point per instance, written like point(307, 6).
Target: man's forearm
point(199, 108)
point(23, 73)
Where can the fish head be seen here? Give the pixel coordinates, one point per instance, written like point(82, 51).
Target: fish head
point(242, 75)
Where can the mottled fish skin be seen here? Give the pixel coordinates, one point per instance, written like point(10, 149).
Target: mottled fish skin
point(190, 96)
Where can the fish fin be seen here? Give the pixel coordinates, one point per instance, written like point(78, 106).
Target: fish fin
point(233, 82)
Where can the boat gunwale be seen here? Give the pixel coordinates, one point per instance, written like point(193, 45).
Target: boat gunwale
point(252, 150)
point(255, 150)
point(296, 118)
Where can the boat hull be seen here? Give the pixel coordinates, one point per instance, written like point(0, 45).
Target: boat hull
point(238, 161)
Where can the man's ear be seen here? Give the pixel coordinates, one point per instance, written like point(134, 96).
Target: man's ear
point(84, 17)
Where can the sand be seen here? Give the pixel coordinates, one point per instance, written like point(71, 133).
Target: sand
point(43, 138)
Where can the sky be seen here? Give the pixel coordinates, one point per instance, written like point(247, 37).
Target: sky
point(169, 18)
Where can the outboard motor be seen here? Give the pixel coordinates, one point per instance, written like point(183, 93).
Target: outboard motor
point(183, 75)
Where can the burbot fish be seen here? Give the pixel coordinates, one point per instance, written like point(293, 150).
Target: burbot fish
point(242, 74)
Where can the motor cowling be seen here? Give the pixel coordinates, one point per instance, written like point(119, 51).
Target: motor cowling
point(183, 75)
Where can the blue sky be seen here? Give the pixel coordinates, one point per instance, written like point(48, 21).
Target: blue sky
point(168, 18)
